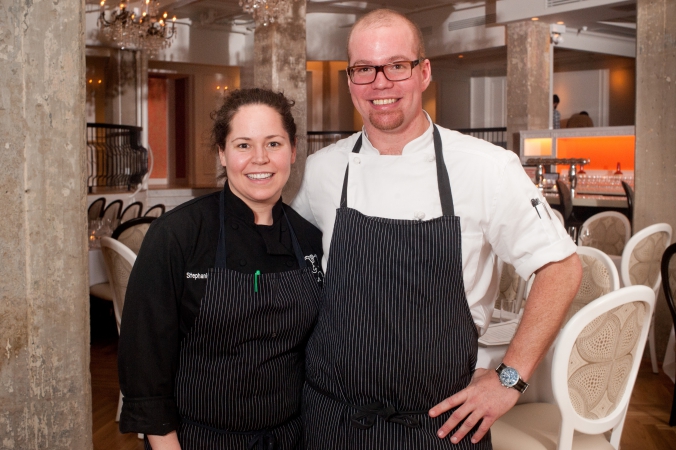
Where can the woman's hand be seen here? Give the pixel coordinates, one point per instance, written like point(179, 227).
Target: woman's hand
point(167, 442)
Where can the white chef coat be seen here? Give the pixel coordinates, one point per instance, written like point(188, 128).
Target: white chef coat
point(491, 193)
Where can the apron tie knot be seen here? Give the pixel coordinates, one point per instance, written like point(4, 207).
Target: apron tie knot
point(366, 417)
point(264, 440)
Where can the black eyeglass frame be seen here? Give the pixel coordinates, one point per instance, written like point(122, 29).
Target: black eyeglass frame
point(414, 63)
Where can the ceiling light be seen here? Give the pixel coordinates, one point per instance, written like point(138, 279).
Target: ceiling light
point(148, 32)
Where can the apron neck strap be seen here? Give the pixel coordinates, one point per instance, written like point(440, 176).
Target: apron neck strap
point(445, 193)
point(444, 183)
point(343, 195)
point(220, 249)
point(296, 245)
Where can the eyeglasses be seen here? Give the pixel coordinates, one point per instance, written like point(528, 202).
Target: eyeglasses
point(396, 71)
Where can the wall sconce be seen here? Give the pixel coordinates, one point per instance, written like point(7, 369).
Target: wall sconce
point(556, 33)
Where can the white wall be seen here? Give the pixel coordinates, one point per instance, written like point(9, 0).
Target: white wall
point(489, 103)
point(454, 107)
point(585, 90)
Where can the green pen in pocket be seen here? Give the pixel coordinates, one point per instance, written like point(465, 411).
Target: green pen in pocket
point(256, 275)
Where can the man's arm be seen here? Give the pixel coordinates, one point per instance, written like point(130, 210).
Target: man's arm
point(485, 399)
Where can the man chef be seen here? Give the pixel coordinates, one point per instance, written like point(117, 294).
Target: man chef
point(414, 218)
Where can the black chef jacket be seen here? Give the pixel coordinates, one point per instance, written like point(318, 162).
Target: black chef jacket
point(168, 282)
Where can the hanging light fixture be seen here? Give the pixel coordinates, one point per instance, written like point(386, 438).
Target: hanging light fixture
point(265, 11)
point(145, 30)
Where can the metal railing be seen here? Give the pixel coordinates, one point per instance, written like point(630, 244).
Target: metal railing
point(496, 136)
point(317, 140)
point(115, 156)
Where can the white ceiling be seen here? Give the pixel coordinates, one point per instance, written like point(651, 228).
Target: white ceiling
point(616, 19)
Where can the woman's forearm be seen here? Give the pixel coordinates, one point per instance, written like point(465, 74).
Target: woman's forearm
point(167, 442)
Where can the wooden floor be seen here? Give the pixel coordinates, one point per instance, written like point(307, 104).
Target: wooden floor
point(646, 427)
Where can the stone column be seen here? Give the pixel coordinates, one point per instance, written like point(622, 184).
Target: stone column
point(528, 79)
point(280, 65)
point(45, 393)
point(655, 164)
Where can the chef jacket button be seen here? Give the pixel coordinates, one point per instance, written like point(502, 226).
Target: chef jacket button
point(431, 158)
point(234, 226)
point(242, 262)
point(357, 160)
point(419, 215)
point(289, 263)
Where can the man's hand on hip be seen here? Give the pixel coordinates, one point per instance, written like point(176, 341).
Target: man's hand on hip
point(485, 400)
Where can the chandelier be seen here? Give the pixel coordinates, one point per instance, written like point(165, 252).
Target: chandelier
point(142, 30)
point(265, 11)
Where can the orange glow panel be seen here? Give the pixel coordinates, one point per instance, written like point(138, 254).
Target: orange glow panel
point(537, 147)
point(603, 151)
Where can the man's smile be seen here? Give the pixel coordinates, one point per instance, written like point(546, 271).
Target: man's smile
point(383, 101)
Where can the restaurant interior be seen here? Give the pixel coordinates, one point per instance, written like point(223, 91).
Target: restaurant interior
point(148, 105)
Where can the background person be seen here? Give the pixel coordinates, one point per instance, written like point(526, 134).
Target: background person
point(556, 118)
point(580, 120)
point(222, 298)
point(416, 217)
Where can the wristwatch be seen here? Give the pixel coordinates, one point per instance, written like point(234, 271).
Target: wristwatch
point(510, 378)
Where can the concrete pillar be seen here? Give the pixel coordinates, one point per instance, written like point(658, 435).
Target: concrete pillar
point(45, 394)
point(528, 79)
point(655, 165)
point(280, 65)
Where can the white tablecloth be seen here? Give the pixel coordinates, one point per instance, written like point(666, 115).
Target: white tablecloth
point(540, 384)
point(97, 267)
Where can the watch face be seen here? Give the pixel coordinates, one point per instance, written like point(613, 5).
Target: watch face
point(509, 377)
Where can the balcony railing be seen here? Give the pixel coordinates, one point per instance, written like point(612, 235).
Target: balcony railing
point(115, 156)
point(317, 140)
point(496, 136)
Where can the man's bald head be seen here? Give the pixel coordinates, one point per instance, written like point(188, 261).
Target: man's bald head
point(386, 18)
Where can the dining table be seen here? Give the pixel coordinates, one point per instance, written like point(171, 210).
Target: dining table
point(97, 267)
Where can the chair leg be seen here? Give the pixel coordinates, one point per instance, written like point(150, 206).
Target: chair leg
point(119, 408)
point(651, 343)
point(672, 419)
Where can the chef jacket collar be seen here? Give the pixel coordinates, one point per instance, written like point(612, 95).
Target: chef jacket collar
point(237, 208)
point(423, 142)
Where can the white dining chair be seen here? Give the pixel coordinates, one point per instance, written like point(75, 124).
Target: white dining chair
point(596, 361)
point(599, 277)
point(640, 264)
point(609, 231)
point(119, 262)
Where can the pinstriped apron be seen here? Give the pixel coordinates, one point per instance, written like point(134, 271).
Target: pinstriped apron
point(395, 335)
point(241, 366)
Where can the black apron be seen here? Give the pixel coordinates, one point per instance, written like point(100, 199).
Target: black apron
point(395, 335)
point(241, 367)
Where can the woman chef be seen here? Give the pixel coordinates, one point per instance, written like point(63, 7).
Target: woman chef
point(222, 299)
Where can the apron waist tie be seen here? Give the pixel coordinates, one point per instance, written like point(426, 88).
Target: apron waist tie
point(367, 415)
point(260, 439)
